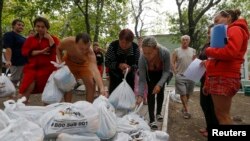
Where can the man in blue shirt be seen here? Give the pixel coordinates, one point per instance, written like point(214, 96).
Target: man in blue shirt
point(13, 42)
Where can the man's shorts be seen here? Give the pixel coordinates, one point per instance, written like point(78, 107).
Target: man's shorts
point(183, 86)
point(16, 73)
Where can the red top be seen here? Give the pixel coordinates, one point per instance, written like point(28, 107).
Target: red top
point(38, 68)
point(227, 61)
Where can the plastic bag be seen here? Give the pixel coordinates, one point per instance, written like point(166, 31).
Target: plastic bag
point(122, 137)
point(154, 136)
point(6, 87)
point(132, 122)
point(175, 97)
point(4, 120)
point(77, 118)
point(18, 109)
point(51, 93)
point(107, 118)
point(64, 79)
point(84, 137)
point(22, 130)
point(123, 96)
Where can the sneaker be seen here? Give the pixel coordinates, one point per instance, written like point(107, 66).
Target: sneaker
point(186, 115)
point(153, 125)
point(159, 118)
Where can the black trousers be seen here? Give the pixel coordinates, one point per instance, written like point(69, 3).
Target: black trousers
point(207, 107)
point(116, 78)
point(152, 80)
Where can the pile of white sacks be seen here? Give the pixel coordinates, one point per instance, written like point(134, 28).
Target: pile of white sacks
point(77, 121)
point(113, 119)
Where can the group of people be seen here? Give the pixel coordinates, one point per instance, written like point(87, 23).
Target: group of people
point(29, 62)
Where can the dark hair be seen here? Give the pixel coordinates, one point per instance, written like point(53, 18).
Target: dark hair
point(95, 44)
point(32, 30)
point(235, 14)
point(210, 26)
point(84, 37)
point(42, 19)
point(14, 22)
point(126, 34)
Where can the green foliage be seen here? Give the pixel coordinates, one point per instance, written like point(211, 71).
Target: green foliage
point(66, 18)
point(196, 29)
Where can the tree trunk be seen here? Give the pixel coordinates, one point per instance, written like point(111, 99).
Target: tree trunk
point(99, 9)
point(1, 35)
point(85, 13)
point(87, 17)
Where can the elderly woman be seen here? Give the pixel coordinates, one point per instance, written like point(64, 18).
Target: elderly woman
point(154, 69)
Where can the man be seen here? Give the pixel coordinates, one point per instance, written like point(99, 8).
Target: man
point(122, 54)
point(181, 59)
point(81, 60)
point(13, 42)
point(99, 57)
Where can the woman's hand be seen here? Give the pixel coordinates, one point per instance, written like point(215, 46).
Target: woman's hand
point(104, 93)
point(139, 99)
point(203, 63)
point(123, 67)
point(157, 89)
point(45, 51)
point(8, 64)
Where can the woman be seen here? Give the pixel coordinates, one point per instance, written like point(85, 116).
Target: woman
point(206, 101)
point(39, 49)
point(154, 69)
point(122, 54)
point(223, 70)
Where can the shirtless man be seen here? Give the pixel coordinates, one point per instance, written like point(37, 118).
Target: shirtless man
point(81, 60)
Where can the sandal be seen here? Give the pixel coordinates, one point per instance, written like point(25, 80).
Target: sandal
point(186, 115)
point(159, 118)
point(153, 125)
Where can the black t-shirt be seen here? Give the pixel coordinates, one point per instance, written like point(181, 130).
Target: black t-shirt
point(15, 42)
point(99, 57)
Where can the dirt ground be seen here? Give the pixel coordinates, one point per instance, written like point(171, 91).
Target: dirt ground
point(180, 129)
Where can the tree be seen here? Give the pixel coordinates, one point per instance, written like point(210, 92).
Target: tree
point(139, 12)
point(191, 18)
point(1, 34)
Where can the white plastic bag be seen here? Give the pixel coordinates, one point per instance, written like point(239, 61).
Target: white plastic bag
point(175, 97)
point(132, 122)
point(51, 93)
point(154, 136)
point(64, 79)
point(79, 117)
point(6, 87)
point(74, 137)
point(107, 118)
point(4, 120)
point(123, 96)
point(122, 137)
point(22, 130)
point(18, 109)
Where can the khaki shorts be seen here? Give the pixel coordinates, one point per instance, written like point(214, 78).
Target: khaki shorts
point(16, 73)
point(183, 86)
